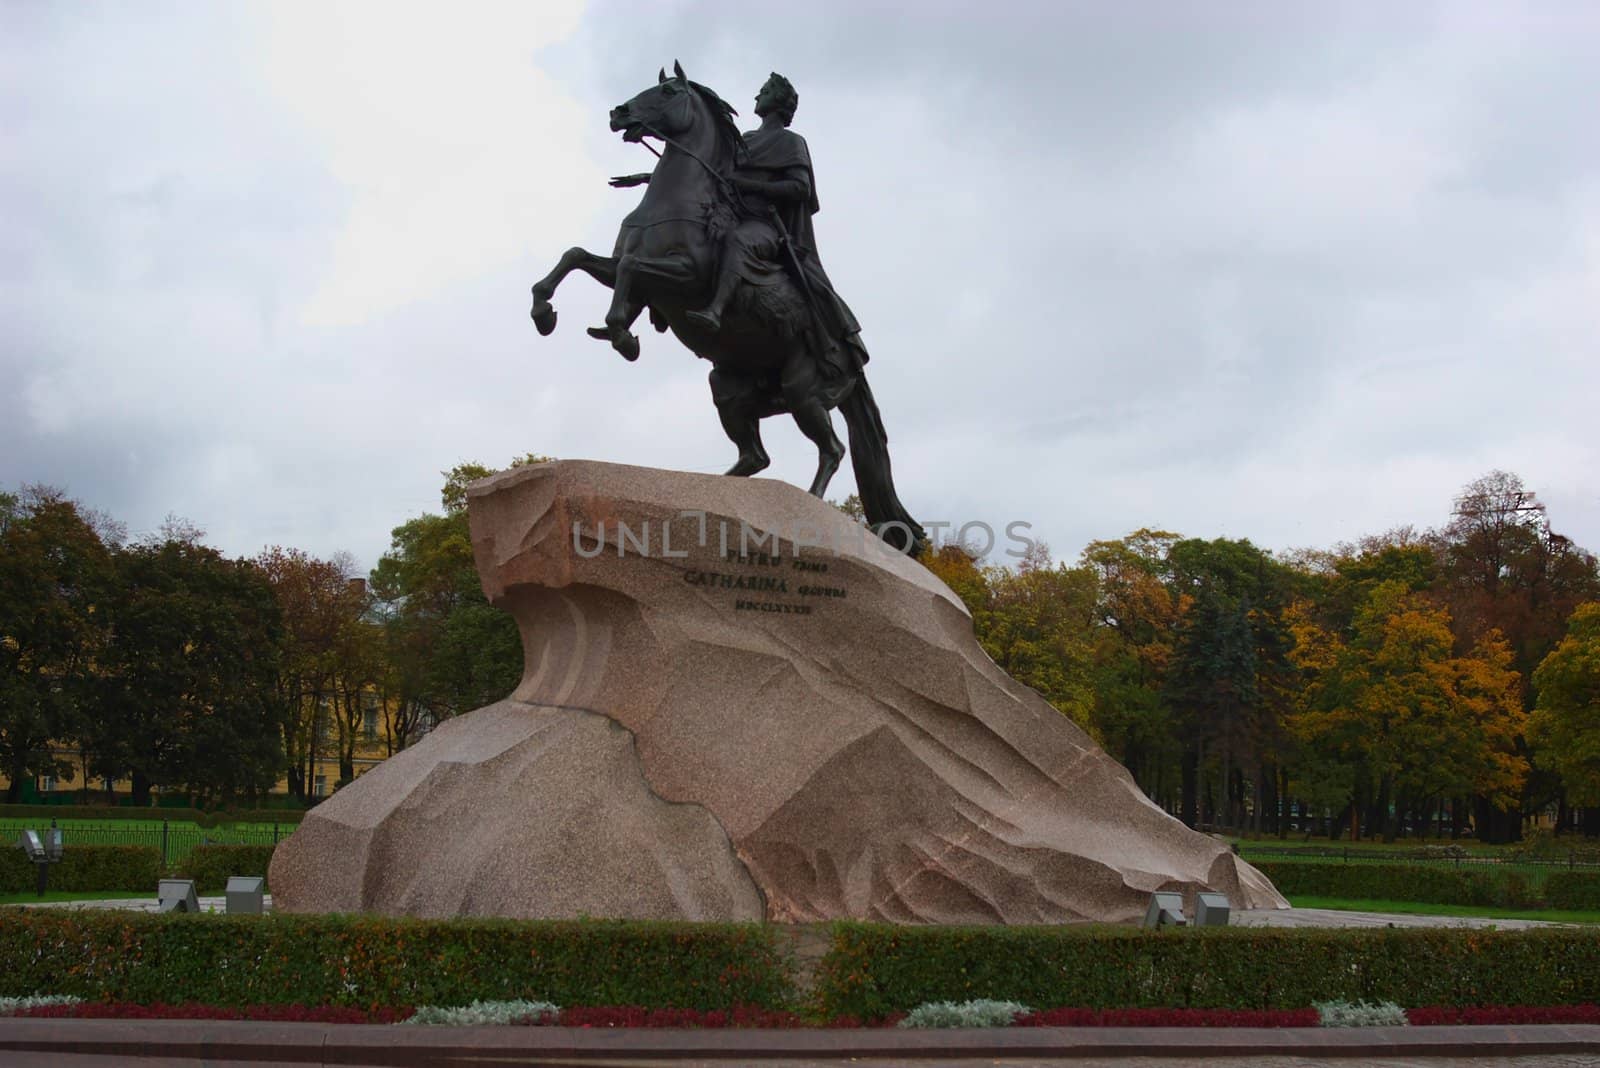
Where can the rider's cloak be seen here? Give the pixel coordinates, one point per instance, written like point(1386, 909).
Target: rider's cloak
point(783, 153)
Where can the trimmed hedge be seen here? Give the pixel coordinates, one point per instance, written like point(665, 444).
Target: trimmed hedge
point(85, 869)
point(874, 969)
point(367, 961)
point(1435, 885)
point(1576, 890)
point(210, 865)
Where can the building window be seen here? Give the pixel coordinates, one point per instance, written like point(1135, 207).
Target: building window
point(319, 787)
point(370, 722)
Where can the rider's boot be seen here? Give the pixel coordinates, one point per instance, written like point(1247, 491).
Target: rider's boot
point(708, 319)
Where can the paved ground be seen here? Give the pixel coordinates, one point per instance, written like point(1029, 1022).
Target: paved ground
point(73, 1060)
point(1341, 918)
point(100, 1043)
point(134, 904)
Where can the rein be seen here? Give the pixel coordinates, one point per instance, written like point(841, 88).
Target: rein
point(728, 188)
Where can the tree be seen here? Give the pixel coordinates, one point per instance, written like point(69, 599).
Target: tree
point(459, 651)
point(1137, 615)
point(1565, 727)
point(54, 576)
point(958, 568)
point(358, 667)
point(1506, 570)
point(1039, 628)
point(1233, 723)
point(1036, 623)
point(464, 474)
point(1212, 688)
point(318, 603)
point(185, 694)
point(1413, 722)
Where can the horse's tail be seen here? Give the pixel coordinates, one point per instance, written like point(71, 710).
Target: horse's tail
point(869, 455)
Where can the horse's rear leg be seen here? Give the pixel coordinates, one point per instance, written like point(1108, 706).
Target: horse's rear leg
point(735, 397)
point(602, 269)
point(802, 394)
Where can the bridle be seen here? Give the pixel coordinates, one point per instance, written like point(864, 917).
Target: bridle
point(728, 188)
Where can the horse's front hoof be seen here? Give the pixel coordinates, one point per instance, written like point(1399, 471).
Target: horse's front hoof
point(626, 344)
point(544, 317)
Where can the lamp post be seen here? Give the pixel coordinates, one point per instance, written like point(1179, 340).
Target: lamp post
point(43, 852)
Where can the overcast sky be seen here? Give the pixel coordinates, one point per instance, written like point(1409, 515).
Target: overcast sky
point(1288, 271)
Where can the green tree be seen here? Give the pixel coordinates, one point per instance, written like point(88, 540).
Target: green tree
point(1212, 688)
point(1565, 726)
point(185, 695)
point(55, 573)
point(1232, 728)
point(318, 603)
point(1035, 622)
point(459, 652)
point(1137, 615)
point(1039, 627)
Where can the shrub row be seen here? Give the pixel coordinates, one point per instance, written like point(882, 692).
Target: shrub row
point(875, 969)
point(85, 869)
point(123, 1010)
point(365, 961)
point(96, 868)
point(285, 816)
point(210, 865)
point(1436, 885)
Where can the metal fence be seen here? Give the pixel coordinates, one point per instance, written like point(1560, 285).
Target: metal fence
point(1533, 869)
point(175, 839)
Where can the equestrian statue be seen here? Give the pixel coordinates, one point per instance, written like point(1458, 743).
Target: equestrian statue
point(721, 251)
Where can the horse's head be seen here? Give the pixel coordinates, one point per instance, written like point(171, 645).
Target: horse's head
point(665, 109)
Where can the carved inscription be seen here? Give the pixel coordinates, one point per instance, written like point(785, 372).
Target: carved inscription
point(772, 576)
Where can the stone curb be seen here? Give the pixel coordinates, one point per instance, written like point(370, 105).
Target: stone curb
point(366, 1044)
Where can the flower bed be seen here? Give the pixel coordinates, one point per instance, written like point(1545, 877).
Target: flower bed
point(744, 1016)
point(1435, 1015)
point(1170, 1018)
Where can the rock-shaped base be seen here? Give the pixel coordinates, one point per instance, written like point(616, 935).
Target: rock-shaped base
point(737, 704)
point(513, 810)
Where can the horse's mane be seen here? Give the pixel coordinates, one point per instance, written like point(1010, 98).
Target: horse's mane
point(722, 114)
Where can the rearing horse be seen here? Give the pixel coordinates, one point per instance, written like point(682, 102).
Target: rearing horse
point(764, 356)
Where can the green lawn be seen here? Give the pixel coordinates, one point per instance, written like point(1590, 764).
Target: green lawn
point(74, 895)
point(1415, 908)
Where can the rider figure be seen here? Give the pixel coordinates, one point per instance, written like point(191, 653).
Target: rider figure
point(775, 175)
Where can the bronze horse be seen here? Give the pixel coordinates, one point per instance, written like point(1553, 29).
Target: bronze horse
point(765, 355)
